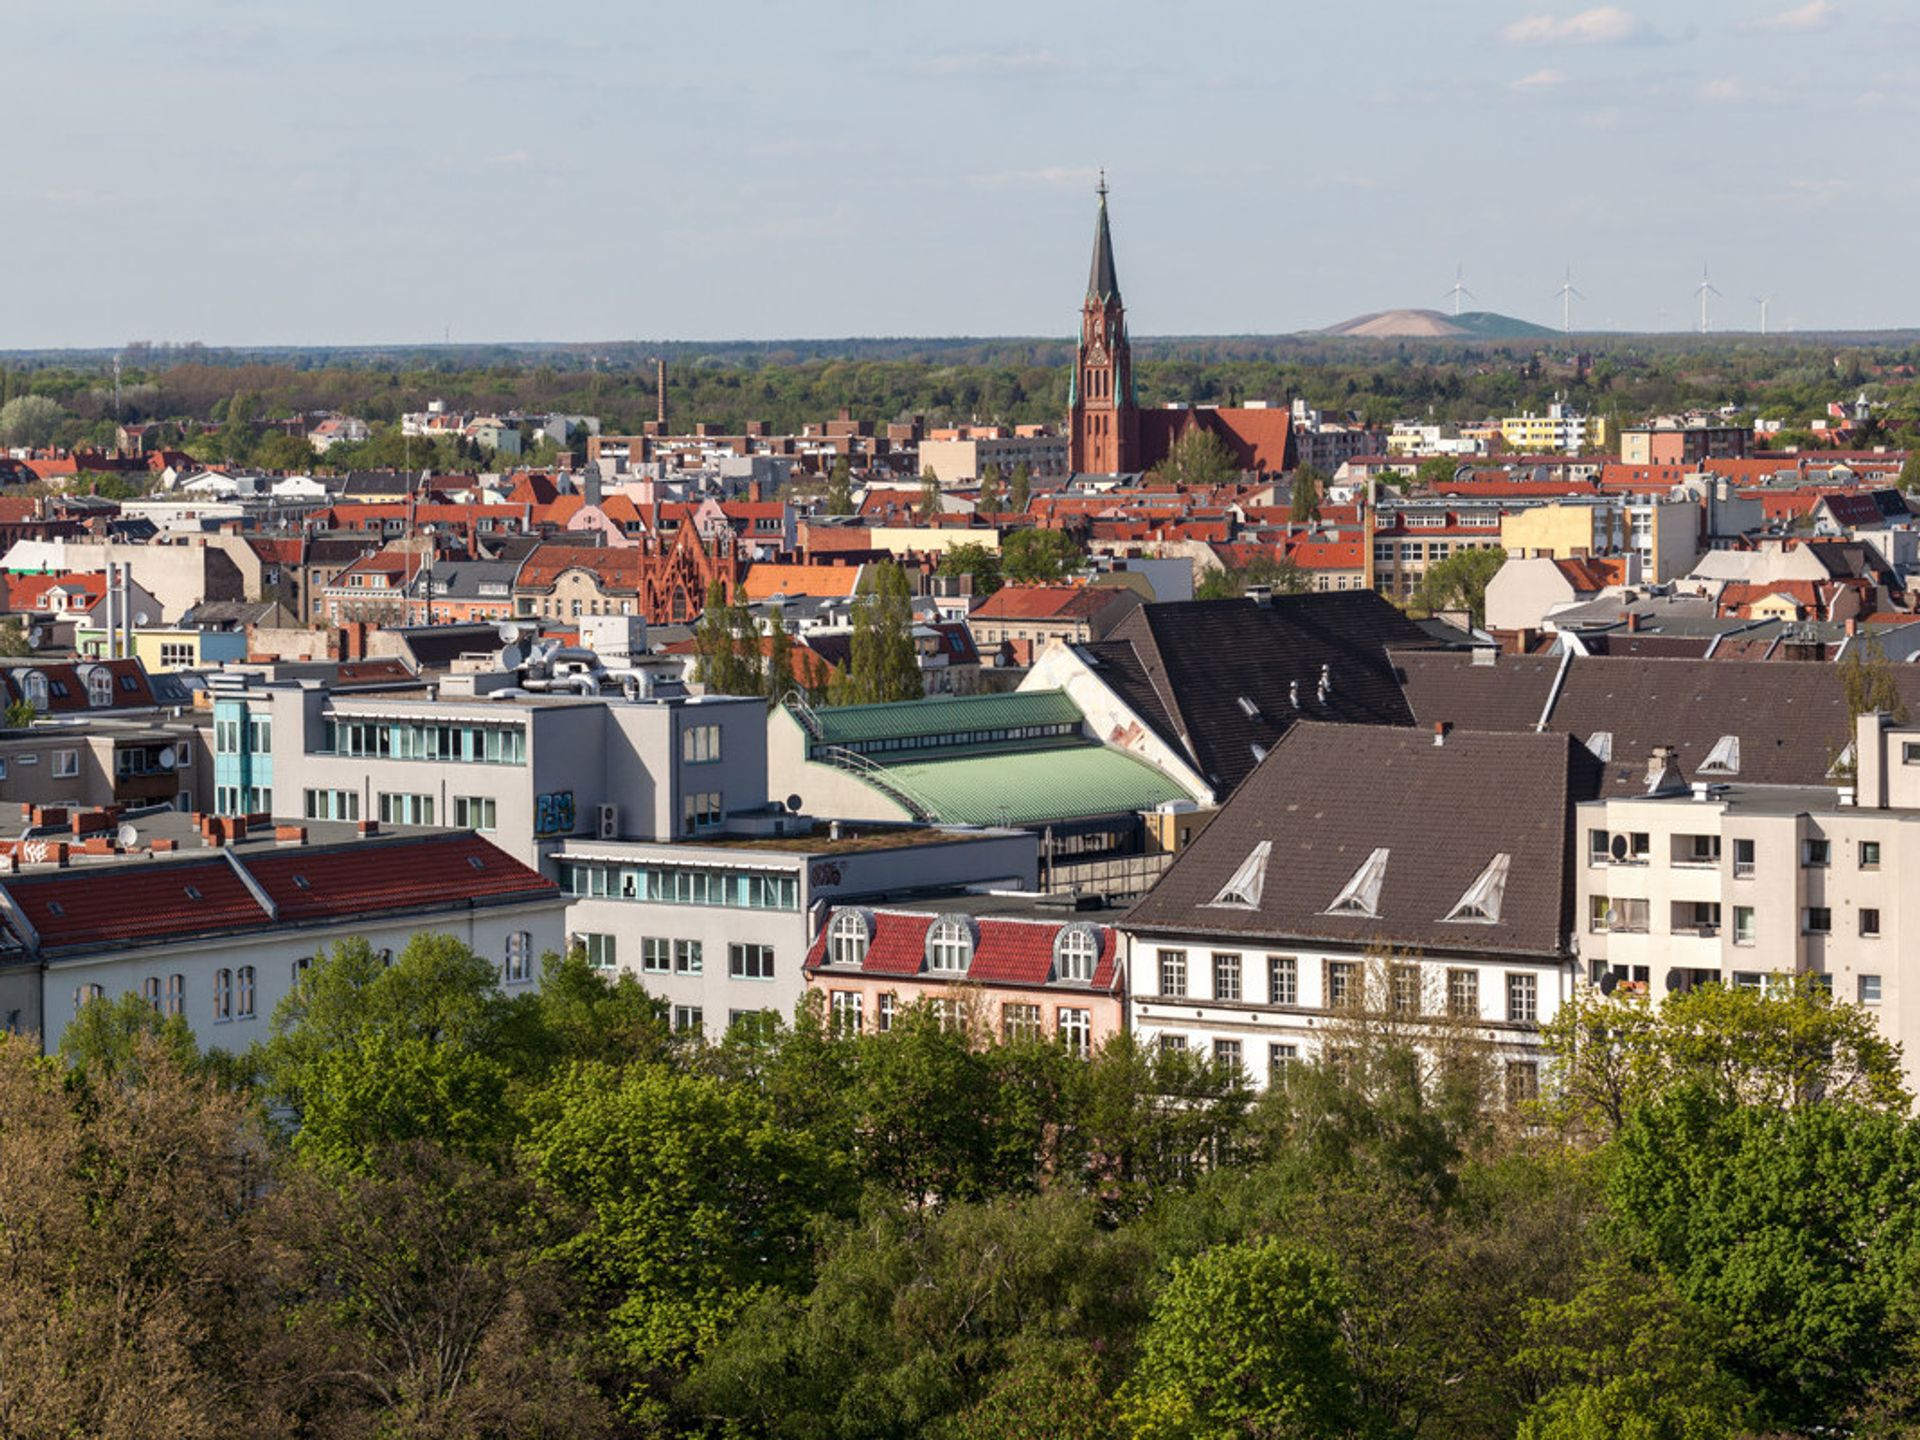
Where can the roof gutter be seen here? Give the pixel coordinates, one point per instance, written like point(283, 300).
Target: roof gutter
point(1553, 695)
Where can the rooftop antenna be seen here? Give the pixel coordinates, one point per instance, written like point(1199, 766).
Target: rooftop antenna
point(1458, 290)
point(1567, 295)
point(1705, 288)
point(1763, 301)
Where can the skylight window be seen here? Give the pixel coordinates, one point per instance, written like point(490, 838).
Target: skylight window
point(54, 907)
point(193, 892)
point(1600, 742)
point(1249, 709)
point(300, 882)
point(476, 862)
point(1724, 758)
point(1481, 904)
point(1243, 890)
point(1362, 893)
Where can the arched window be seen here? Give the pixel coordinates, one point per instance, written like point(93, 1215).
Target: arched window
point(1075, 952)
point(35, 687)
point(950, 943)
point(99, 686)
point(243, 998)
point(847, 939)
point(176, 994)
point(150, 991)
point(223, 994)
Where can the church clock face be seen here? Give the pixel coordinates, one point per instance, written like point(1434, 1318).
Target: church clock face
point(1099, 356)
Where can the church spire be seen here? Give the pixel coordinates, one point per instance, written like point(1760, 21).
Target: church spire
point(1102, 284)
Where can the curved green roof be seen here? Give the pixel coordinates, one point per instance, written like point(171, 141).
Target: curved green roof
point(1026, 787)
point(943, 715)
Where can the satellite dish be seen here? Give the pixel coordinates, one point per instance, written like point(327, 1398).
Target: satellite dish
point(36, 636)
point(1675, 980)
point(1613, 917)
point(793, 804)
point(511, 658)
point(1619, 847)
point(509, 633)
point(1609, 982)
point(166, 757)
point(126, 837)
point(140, 617)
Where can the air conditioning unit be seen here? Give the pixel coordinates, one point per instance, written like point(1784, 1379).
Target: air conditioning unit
point(609, 822)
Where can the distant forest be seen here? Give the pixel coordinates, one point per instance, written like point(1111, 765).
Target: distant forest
point(793, 383)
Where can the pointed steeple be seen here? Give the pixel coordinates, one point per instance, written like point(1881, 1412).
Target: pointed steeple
point(1102, 284)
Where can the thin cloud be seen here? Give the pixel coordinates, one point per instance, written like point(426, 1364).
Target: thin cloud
point(1602, 25)
point(997, 62)
point(1050, 177)
point(1540, 80)
point(1722, 91)
point(1814, 15)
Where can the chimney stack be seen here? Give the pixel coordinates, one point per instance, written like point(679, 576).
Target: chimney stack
point(1440, 729)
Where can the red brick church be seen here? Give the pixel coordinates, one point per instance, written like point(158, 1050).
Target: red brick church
point(1109, 433)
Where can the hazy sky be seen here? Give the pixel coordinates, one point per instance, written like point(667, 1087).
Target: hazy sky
point(341, 171)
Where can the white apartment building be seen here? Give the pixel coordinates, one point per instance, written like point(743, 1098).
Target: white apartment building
point(1736, 884)
point(1357, 848)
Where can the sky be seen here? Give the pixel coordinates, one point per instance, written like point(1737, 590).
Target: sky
point(253, 172)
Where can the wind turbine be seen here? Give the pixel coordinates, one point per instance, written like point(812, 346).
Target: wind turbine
point(1458, 290)
point(1763, 301)
point(1705, 288)
point(1567, 295)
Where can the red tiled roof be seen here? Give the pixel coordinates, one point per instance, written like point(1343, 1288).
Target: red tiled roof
point(1045, 602)
point(30, 592)
point(400, 874)
point(158, 901)
point(767, 579)
point(1005, 951)
point(616, 568)
point(1328, 554)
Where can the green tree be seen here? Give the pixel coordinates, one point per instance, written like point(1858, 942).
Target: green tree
point(840, 487)
point(281, 451)
point(1308, 482)
point(1627, 1356)
point(1792, 1044)
point(591, 1015)
point(105, 1038)
point(32, 421)
point(779, 679)
point(719, 662)
point(1275, 572)
point(1910, 472)
point(989, 501)
point(1459, 582)
point(1437, 470)
point(13, 639)
point(697, 1201)
point(975, 560)
point(1033, 555)
point(365, 1054)
point(1793, 1230)
point(1199, 459)
point(1245, 1340)
point(883, 663)
point(930, 504)
point(1022, 488)
point(1867, 682)
point(422, 1299)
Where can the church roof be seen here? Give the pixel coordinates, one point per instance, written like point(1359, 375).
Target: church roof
point(1102, 283)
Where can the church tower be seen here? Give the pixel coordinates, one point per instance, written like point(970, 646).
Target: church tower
point(1103, 423)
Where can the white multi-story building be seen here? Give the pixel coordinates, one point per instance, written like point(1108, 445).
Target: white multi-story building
point(1738, 884)
point(1357, 849)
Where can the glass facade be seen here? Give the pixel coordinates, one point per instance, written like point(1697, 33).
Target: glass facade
point(680, 885)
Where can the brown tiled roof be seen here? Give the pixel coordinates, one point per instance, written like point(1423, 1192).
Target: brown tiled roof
point(1790, 716)
point(1330, 795)
point(1045, 602)
point(1201, 658)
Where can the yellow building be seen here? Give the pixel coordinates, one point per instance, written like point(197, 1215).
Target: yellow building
point(168, 648)
point(1563, 532)
point(1561, 431)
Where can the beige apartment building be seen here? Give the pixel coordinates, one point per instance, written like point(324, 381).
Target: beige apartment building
point(1734, 884)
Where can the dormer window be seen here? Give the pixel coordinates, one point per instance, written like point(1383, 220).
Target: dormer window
point(1600, 742)
point(1361, 895)
point(1076, 950)
point(950, 944)
point(1481, 904)
point(35, 688)
point(847, 938)
point(1243, 889)
point(99, 686)
point(1724, 758)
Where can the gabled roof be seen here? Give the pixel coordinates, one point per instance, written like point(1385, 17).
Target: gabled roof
point(1192, 663)
point(1331, 798)
point(1047, 602)
point(1790, 716)
point(161, 901)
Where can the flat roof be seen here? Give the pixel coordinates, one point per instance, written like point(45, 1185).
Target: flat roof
point(853, 839)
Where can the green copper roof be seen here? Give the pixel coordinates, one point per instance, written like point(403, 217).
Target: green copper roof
point(1023, 788)
point(956, 715)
